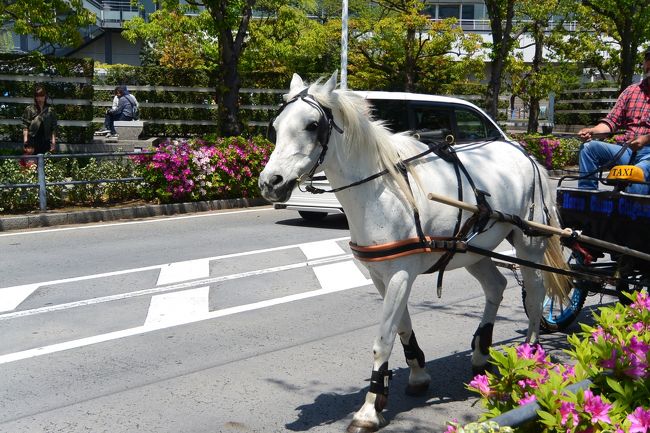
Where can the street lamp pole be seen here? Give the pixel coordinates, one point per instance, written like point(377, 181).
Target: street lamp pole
point(344, 45)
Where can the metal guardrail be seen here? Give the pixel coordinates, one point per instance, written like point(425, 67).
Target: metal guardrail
point(43, 184)
point(528, 412)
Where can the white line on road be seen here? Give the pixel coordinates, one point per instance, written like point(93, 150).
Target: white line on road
point(172, 308)
point(11, 297)
point(162, 289)
point(54, 348)
point(183, 271)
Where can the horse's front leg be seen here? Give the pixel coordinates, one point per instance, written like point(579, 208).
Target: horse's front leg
point(397, 290)
point(419, 378)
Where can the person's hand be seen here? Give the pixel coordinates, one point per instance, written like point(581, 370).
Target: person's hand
point(53, 148)
point(585, 133)
point(638, 142)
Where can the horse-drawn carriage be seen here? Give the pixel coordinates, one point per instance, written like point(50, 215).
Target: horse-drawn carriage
point(384, 182)
point(616, 218)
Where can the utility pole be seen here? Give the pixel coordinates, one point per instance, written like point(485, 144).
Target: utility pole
point(344, 45)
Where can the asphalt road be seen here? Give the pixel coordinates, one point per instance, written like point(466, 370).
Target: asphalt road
point(231, 321)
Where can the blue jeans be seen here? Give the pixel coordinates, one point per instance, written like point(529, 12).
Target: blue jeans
point(111, 118)
point(596, 153)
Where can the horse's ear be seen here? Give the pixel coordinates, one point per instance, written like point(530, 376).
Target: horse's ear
point(330, 85)
point(296, 82)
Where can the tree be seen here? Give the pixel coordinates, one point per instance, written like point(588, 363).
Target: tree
point(226, 22)
point(547, 72)
point(172, 39)
point(52, 22)
point(628, 23)
point(287, 40)
point(395, 46)
point(501, 14)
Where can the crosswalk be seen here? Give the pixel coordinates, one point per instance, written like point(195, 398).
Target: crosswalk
point(183, 292)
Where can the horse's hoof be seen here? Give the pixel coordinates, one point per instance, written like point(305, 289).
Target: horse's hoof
point(417, 390)
point(362, 427)
point(481, 369)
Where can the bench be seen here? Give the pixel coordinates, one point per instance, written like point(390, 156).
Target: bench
point(129, 129)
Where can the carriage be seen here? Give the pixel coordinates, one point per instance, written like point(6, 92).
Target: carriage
point(614, 217)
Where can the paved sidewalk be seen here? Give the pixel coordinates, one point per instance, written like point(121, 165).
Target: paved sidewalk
point(56, 218)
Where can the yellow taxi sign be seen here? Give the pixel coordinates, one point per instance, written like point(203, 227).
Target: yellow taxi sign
point(626, 172)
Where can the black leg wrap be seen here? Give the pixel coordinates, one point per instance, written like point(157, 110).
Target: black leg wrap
point(413, 351)
point(379, 380)
point(484, 334)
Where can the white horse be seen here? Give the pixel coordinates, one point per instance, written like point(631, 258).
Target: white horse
point(320, 127)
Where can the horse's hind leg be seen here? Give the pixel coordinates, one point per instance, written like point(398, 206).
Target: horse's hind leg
point(493, 284)
point(532, 249)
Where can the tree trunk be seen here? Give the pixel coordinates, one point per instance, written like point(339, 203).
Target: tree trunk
point(628, 52)
point(502, 39)
point(533, 113)
point(230, 83)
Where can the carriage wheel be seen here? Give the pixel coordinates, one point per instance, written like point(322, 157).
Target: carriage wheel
point(558, 315)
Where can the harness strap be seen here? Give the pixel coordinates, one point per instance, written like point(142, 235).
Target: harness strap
point(406, 247)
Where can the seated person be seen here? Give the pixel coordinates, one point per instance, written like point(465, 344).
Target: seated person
point(632, 113)
point(124, 111)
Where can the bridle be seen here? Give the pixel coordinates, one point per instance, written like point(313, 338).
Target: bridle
point(323, 127)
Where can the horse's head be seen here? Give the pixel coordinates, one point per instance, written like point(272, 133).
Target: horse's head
point(301, 132)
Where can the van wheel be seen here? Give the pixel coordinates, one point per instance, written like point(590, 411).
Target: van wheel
point(312, 216)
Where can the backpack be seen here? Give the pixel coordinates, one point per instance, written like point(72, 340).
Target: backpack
point(134, 108)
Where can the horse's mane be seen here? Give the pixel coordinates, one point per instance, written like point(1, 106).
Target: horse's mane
point(365, 135)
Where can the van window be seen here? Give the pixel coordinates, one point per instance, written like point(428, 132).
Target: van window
point(393, 112)
point(472, 126)
point(432, 121)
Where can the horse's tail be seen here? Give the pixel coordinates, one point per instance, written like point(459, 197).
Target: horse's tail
point(557, 285)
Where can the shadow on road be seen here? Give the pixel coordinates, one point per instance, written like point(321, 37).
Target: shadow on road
point(448, 376)
point(334, 222)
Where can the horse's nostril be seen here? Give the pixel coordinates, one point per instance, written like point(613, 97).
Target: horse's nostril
point(276, 180)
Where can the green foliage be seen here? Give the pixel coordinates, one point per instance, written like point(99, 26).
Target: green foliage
point(52, 22)
point(554, 153)
point(63, 170)
point(394, 46)
point(613, 354)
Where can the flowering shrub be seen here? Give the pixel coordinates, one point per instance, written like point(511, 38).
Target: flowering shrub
point(554, 153)
point(613, 355)
point(195, 170)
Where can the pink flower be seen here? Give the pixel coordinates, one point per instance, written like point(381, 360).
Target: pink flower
point(527, 398)
point(596, 407)
point(642, 301)
point(611, 362)
point(568, 409)
point(640, 419)
point(481, 384)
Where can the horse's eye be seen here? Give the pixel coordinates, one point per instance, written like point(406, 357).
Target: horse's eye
point(312, 126)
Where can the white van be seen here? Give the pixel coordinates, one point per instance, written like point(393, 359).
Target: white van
point(438, 117)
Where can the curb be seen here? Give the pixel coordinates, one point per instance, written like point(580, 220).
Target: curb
point(53, 218)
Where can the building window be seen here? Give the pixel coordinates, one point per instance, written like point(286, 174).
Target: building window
point(468, 12)
point(448, 11)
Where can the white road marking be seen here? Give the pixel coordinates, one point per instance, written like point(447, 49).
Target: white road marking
point(172, 308)
point(340, 275)
point(183, 271)
point(10, 297)
point(317, 250)
point(220, 212)
point(162, 289)
point(54, 348)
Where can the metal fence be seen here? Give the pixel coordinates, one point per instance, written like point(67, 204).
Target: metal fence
point(42, 183)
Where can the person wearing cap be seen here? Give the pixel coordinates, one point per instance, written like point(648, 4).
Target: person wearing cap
point(632, 113)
